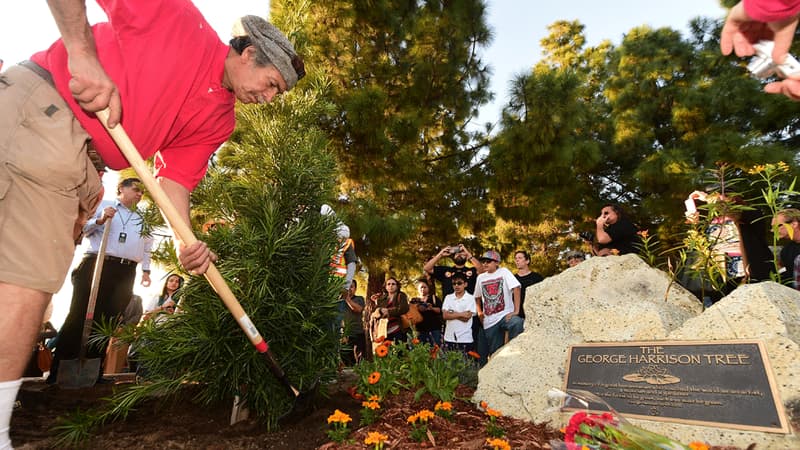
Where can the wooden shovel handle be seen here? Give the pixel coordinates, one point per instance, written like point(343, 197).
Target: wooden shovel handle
point(182, 230)
point(96, 276)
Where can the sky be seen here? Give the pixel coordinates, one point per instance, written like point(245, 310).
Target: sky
point(518, 27)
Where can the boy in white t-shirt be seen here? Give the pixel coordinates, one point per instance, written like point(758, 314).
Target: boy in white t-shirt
point(497, 297)
point(458, 309)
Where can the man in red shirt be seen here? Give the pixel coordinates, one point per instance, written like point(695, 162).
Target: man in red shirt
point(163, 73)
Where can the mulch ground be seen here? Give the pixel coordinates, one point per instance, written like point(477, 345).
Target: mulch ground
point(180, 423)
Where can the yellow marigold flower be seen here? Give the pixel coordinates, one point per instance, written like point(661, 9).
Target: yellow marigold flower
point(443, 406)
point(371, 405)
point(698, 445)
point(374, 377)
point(375, 438)
point(374, 398)
point(413, 418)
point(425, 414)
point(339, 417)
point(498, 444)
point(493, 413)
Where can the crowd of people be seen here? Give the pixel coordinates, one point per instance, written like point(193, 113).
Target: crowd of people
point(479, 310)
point(51, 181)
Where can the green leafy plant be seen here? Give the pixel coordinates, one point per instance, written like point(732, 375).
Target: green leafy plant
point(339, 430)
point(444, 410)
point(493, 429)
point(419, 424)
point(397, 366)
point(370, 410)
point(776, 191)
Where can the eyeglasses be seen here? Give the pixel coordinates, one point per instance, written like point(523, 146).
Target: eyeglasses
point(459, 283)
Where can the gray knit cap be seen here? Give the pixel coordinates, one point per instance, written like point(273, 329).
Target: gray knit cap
point(271, 43)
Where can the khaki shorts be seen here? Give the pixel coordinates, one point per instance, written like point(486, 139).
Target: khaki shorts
point(46, 181)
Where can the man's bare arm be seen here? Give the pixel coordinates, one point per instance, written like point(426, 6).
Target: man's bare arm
point(196, 257)
point(91, 86)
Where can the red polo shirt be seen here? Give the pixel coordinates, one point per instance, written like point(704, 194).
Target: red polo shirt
point(168, 65)
point(771, 10)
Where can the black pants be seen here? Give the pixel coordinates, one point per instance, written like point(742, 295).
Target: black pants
point(114, 294)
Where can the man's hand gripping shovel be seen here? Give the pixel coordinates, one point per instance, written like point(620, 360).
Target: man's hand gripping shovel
point(185, 234)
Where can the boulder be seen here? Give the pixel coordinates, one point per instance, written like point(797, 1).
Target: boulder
point(621, 298)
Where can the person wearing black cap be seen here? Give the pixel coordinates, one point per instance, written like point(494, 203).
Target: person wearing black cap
point(497, 298)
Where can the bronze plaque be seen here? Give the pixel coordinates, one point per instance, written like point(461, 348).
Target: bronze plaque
point(718, 383)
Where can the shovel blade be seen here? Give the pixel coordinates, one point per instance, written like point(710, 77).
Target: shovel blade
point(77, 373)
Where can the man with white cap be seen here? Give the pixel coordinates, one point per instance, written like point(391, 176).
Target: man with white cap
point(163, 73)
point(497, 298)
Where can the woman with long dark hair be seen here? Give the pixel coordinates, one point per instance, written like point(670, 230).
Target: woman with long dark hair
point(169, 292)
point(430, 306)
point(390, 304)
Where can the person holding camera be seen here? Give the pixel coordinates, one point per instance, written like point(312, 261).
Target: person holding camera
point(751, 21)
point(430, 306)
point(443, 274)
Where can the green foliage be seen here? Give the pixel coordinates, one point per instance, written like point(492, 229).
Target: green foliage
point(263, 197)
point(412, 366)
point(274, 248)
point(407, 78)
point(636, 124)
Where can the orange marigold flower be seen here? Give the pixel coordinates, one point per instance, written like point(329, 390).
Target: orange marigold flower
point(413, 418)
point(415, 341)
point(374, 377)
point(374, 398)
point(493, 413)
point(425, 414)
point(382, 351)
point(474, 354)
point(443, 406)
point(371, 405)
point(698, 445)
point(483, 404)
point(339, 417)
point(379, 339)
point(375, 438)
point(498, 444)
point(388, 343)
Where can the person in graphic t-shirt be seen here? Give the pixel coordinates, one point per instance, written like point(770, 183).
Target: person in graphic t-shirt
point(497, 299)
